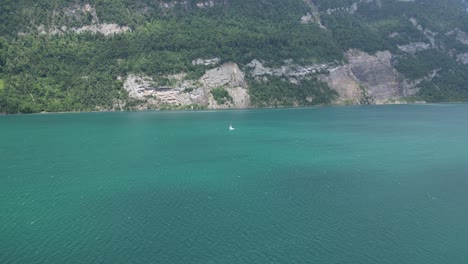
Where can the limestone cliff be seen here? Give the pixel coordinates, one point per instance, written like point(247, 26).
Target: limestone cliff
point(365, 79)
point(376, 74)
point(371, 79)
point(231, 78)
point(84, 15)
point(342, 80)
point(182, 93)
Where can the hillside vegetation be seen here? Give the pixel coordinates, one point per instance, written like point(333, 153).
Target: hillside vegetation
point(45, 66)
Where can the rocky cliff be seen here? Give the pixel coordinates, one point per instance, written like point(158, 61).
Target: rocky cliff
point(183, 93)
point(365, 79)
point(376, 75)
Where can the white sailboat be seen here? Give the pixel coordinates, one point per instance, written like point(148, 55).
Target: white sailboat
point(231, 128)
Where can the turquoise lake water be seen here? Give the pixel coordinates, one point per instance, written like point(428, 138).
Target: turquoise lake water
point(362, 184)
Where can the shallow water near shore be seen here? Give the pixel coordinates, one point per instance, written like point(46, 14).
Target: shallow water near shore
point(358, 184)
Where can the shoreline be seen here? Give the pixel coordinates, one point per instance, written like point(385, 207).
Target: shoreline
point(230, 109)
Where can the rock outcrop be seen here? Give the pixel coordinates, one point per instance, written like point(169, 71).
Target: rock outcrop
point(313, 16)
point(206, 62)
point(289, 69)
point(410, 87)
point(430, 35)
point(371, 79)
point(168, 5)
point(366, 78)
point(414, 47)
point(226, 75)
point(230, 77)
point(463, 58)
point(342, 80)
point(78, 14)
point(462, 37)
point(205, 4)
point(151, 95)
point(138, 86)
point(459, 35)
point(183, 92)
point(376, 74)
point(106, 29)
point(353, 8)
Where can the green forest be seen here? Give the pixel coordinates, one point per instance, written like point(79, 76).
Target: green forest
point(40, 71)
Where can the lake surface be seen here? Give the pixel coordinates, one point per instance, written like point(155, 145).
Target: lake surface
point(362, 184)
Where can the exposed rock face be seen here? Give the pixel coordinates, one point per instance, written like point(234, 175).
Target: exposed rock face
point(409, 87)
point(178, 97)
point(371, 79)
point(288, 70)
point(206, 62)
point(183, 93)
point(82, 14)
point(414, 47)
point(186, 92)
point(167, 5)
point(240, 99)
point(463, 58)
point(376, 73)
point(459, 35)
point(227, 74)
point(354, 7)
point(342, 80)
point(462, 37)
point(232, 79)
point(240, 96)
point(258, 69)
point(79, 13)
point(138, 86)
point(106, 29)
point(205, 4)
point(430, 35)
point(307, 18)
point(172, 4)
point(313, 16)
point(365, 79)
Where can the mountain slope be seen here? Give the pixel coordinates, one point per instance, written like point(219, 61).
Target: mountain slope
point(61, 55)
